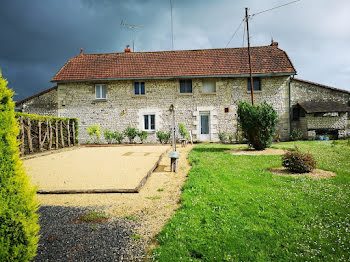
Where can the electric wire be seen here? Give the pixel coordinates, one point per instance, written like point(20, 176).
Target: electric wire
point(235, 32)
point(258, 13)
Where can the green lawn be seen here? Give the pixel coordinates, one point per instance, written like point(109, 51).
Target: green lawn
point(234, 210)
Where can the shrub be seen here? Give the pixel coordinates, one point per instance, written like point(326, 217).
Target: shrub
point(231, 138)
point(118, 136)
point(298, 162)
point(163, 137)
point(18, 219)
point(222, 137)
point(258, 122)
point(131, 133)
point(142, 135)
point(94, 133)
point(183, 131)
point(109, 136)
point(296, 134)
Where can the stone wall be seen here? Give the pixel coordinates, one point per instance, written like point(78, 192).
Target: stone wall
point(122, 108)
point(302, 91)
point(45, 104)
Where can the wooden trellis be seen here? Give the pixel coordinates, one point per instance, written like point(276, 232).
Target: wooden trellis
point(42, 134)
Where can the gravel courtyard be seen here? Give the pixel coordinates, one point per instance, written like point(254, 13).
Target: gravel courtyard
point(128, 234)
point(86, 168)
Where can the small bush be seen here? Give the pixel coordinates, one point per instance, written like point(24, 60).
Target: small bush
point(94, 133)
point(298, 162)
point(131, 133)
point(222, 137)
point(18, 219)
point(183, 131)
point(231, 138)
point(118, 136)
point(296, 134)
point(163, 137)
point(142, 135)
point(348, 142)
point(109, 136)
point(258, 122)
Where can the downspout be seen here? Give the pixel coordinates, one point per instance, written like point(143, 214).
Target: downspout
point(290, 103)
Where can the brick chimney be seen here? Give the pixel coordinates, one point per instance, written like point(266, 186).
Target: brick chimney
point(127, 49)
point(273, 43)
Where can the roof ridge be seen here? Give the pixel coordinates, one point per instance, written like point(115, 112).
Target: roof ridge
point(322, 85)
point(179, 50)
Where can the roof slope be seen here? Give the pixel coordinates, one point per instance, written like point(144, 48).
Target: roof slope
point(35, 95)
point(321, 85)
point(324, 107)
point(206, 62)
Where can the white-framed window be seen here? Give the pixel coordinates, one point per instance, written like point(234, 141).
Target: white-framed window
point(149, 122)
point(139, 88)
point(208, 86)
point(100, 91)
point(186, 86)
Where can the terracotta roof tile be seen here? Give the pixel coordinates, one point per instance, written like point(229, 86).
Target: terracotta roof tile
point(205, 62)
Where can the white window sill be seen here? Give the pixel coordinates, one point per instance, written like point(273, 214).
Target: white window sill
point(100, 99)
point(185, 94)
point(138, 96)
point(255, 91)
point(208, 93)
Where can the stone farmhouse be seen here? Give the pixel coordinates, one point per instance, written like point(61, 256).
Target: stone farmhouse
point(117, 90)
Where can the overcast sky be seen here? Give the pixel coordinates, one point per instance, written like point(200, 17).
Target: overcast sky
point(38, 36)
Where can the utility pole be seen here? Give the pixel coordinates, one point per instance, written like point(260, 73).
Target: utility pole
point(250, 63)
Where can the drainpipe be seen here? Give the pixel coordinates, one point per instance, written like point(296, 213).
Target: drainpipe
point(290, 103)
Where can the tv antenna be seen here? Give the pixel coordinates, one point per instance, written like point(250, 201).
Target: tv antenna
point(132, 28)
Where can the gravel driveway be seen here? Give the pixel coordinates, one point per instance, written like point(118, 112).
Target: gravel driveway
point(64, 239)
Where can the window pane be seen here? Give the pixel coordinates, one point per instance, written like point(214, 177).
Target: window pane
point(182, 86)
point(146, 121)
point(256, 84)
point(103, 89)
point(209, 86)
point(97, 91)
point(142, 88)
point(185, 86)
point(153, 124)
point(136, 88)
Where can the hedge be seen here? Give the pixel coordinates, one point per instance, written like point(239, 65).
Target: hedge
point(18, 218)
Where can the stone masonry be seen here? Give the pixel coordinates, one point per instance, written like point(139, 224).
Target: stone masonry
point(302, 91)
point(122, 108)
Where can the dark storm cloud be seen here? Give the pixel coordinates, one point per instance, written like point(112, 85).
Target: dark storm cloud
point(38, 37)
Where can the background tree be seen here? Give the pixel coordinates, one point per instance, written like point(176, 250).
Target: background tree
point(18, 218)
point(258, 123)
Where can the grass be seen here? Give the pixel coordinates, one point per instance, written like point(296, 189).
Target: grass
point(130, 217)
point(160, 189)
point(136, 237)
point(153, 197)
point(233, 209)
point(93, 217)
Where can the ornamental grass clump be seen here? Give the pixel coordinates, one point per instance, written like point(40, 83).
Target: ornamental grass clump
point(258, 123)
point(298, 162)
point(18, 219)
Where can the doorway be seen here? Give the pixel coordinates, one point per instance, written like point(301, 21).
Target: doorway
point(204, 126)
